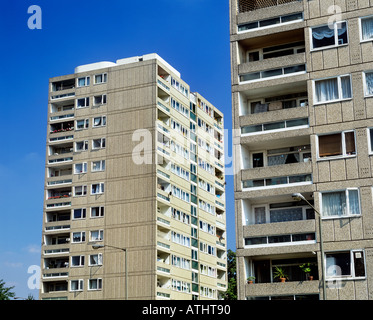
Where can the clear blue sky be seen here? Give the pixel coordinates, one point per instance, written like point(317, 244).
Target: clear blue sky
point(192, 35)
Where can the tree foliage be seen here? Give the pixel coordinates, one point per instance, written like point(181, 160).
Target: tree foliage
point(6, 292)
point(231, 293)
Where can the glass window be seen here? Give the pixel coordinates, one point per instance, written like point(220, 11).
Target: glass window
point(340, 203)
point(345, 264)
point(333, 89)
point(368, 83)
point(337, 144)
point(367, 28)
point(325, 36)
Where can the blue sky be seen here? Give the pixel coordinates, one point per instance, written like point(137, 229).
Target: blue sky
point(192, 35)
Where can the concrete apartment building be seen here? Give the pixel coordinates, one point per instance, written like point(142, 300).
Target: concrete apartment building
point(302, 91)
point(134, 188)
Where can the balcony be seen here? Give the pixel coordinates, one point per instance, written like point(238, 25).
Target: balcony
point(61, 148)
point(62, 127)
point(58, 216)
point(57, 239)
point(63, 85)
point(59, 193)
point(252, 5)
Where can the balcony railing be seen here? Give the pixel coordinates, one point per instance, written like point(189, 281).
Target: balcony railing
point(251, 5)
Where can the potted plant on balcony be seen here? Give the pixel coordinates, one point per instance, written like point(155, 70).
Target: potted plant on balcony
point(280, 273)
point(306, 268)
point(250, 279)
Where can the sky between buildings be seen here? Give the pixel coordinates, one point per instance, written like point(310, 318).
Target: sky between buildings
point(191, 35)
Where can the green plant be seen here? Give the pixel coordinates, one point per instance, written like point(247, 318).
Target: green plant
point(280, 273)
point(306, 267)
point(251, 278)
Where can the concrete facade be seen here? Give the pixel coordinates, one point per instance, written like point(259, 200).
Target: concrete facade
point(284, 56)
point(127, 149)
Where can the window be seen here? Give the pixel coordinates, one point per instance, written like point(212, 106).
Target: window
point(76, 285)
point(80, 168)
point(340, 203)
point(82, 102)
point(332, 89)
point(95, 284)
point(366, 28)
point(345, 264)
point(279, 240)
point(97, 235)
point(77, 261)
point(80, 191)
point(97, 212)
point(327, 36)
point(340, 144)
point(95, 259)
point(78, 237)
point(273, 73)
point(83, 81)
point(101, 78)
point(81, 146)
point(180, 239)
point(98, 165)
point(97, 188)
point(370, 140)
point(287, 124)
point(270, 22)
point(79, 213)
point(99, 100)
point(277, 181)
point(368, 83)
point(82, 124)
point(98, 143)
point(99, 121)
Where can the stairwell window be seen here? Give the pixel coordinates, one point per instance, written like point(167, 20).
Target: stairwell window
point(341, 144)
point(340, 204)
point(327, 36)
point(332, 89)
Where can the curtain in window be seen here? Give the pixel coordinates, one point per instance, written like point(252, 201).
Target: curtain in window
point(367, 28)
point(346, 87)
point(333, 204)
point(326, 90)
point(330, 145)
point(97, 122)
point(260, 215)
point(290, 214)
point(369, 83)
point(354, 206)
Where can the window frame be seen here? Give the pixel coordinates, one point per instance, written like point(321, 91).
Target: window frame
point(100, 233)
point(101, 212)
point(340, 97)
point(102, 166)
point(80, 285)
point(85, 146)
point(343, 146)
point(99, 284)
point(81, 261)
point(102, 143)
point(83, 213)
point(102, 122)
point(85, 124)
point(99, 260)
point(86, 103)
point(84, 191)
point(370, 141)
point(87, 80)
point(366, 95)
point(361, 30)
point(84, 167)
point(81, 237)
point(336, 45)
point(101, 188)
point(104, 76)
point(352, 265)
point(347, 201)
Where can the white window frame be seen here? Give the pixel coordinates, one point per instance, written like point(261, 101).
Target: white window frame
point(102, 122)
point(84, 168)
point(102, 142)
point(365, 83)
point(101, 188)
point(343, 155)
point(82, 237)
point(86, 103)
point(81, 261)
point(99, 259)
point(348, 215)
point(101, 166)
point(104, 78)
point(85, 146)
point(85, 124)
point(336, 44)
point(101, 212)
point(83, 213)
point(87, 81)
point(100, 235)
point(102, 102)
point(80, 285)
point(340, 98)
point(361, 30)
point(370, 142)
point(84, 191)
point(99, 284)
point(352, 265)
